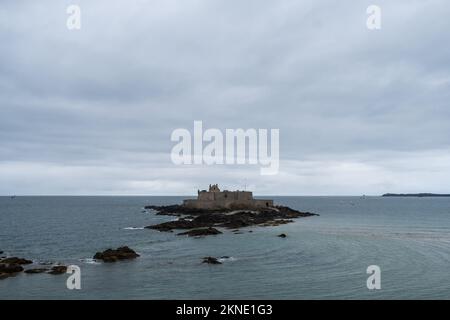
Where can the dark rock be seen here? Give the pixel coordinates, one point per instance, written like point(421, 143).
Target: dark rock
point(110, 255)
point(282, 235)
point(177, 210)
point(110, 259)
point(203, 218)
point(15, 260)
point(179, 224)
point(58, 270)
point(36, 270)
point(200, 232)
point(211, 260)
point(10, 268)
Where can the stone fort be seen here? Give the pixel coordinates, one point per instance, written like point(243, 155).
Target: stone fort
point(216, 199)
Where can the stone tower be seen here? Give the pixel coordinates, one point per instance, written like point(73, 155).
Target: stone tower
point(214, 188)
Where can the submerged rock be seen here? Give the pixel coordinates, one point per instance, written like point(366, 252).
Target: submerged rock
point(110, 255)
point(211, 260)
point(15, 260)
point(275, 223)
point(36, 270)
point(200, 232)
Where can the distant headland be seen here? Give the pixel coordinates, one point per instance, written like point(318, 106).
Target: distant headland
point(419, 195)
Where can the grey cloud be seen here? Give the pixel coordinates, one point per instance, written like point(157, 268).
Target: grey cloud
point(101, 102)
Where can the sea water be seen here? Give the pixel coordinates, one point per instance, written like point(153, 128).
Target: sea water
point(322, 257)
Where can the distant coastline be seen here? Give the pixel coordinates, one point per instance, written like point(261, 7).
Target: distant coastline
point(420, 195)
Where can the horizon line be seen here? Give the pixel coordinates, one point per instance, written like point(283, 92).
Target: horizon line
point(178, 195)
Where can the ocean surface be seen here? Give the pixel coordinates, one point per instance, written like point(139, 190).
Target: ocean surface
point(323, 257)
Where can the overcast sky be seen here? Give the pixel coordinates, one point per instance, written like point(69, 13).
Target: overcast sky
point(91, 111)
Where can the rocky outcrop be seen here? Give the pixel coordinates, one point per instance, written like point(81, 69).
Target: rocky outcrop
point(179, 224)
point(201, 218)
point(9, 269)
point(58, 270)
point(177, 210)
point(110, 255)
point(200, 232)
point(211, 260)
point(15, 260)
point(13, 265)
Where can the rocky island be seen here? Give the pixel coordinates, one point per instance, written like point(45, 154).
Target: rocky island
point(225, 209)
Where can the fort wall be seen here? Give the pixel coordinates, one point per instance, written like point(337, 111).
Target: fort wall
point(216, 199)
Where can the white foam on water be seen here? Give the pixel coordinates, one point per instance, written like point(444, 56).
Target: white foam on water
point(134, 228)
point(89, 261)
point(225, 259)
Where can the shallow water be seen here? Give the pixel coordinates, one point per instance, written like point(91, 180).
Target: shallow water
point(323, 257)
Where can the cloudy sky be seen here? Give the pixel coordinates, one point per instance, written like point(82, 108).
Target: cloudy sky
point(91, 111)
